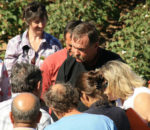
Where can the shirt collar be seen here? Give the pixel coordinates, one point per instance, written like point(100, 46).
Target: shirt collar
point(25, 40)
point(24, 128)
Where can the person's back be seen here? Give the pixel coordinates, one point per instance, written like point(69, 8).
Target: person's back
point(117, 114)
point(83, 121)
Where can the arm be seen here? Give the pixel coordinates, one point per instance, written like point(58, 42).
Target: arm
point(10, 55)
point(5, 91)
point(46, 77)
point(142, 105)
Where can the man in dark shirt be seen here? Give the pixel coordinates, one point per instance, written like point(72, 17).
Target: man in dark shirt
point(86, 54)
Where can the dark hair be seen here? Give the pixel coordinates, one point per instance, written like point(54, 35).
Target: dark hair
point(86, 28)
point(92, 83)
point(26, 116)
point(70, 27)
point(34, 10)
point(25, 77)
point(62, 98)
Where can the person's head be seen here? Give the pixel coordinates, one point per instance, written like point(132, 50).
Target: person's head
point(121, 80)
point(36, 17)
point(91, 86)
point(85, 42)
point(61, 98)
point(26, 78)
point(68, 32)
point(25, 110)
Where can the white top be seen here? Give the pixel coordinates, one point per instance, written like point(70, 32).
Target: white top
point(130, 101)
point(5, 122)
point(24, 128)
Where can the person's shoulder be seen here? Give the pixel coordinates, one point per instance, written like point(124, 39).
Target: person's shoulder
point(108, 55)
point(51, 39)
point(46, 118)
point(5, 106)
point(59, 53)
point(15, 39)
point(53, 58)
point(108, 52)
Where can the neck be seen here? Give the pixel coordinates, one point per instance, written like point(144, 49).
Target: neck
point(69, 113)
point(91, 101)
point(32, 125)
point(33, 35)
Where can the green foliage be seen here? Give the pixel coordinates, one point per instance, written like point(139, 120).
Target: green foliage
point(61, 12)
point(11, 18)
point(133, 41)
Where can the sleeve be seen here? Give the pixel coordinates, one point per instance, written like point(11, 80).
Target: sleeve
point(5, 89)
point(10, 56)
point(46, 77)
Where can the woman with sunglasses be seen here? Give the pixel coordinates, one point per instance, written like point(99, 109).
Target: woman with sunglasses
point(34, 45)
point(91, 86)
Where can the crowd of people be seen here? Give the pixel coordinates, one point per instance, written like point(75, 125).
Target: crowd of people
point(79, 87)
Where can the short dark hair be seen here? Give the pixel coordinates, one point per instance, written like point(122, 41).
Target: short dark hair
point(92, 83)
point(70, 27)
point(86, 28)
point(63, 98)
point(34, 10)
point(26, 116)
point(25, 77)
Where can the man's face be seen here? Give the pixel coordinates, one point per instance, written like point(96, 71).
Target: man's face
point(68, 42)
point(82, 51)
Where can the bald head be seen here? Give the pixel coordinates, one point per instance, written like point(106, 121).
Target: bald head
point(25, 107)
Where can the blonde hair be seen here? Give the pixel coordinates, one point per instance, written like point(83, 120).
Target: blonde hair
point(121, 79)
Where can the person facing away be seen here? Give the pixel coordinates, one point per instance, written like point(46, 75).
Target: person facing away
point(91, 86)
point(25, 112)
point(53, 62)
point(24, 78)
point(5, 88)
point(126, 86)
point(86, 54)
point(63, 100)
point(33, 45)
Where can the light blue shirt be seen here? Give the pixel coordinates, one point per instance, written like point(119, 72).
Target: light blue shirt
point(83, 121)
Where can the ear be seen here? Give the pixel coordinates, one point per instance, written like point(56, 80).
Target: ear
point(11, 117)
point(39, 116)
point(39, 86)
point(84, 98)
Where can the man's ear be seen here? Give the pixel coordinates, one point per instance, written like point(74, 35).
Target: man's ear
point(39, 116)
point(11, 117)
point(39, 87)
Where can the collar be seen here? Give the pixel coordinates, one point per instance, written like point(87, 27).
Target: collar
point(24, 128)
point(25, 40)
point(101, 103)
